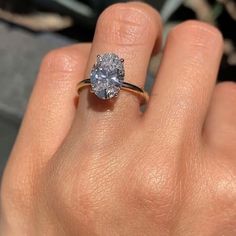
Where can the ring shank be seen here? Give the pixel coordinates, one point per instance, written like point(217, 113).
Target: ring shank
point(142, 94)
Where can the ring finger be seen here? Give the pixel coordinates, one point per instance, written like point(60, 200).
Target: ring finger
point(131, 31)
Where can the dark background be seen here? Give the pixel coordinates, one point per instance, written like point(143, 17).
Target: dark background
point(31, 28)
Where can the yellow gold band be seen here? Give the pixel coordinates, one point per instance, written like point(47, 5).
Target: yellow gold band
point(142, 94)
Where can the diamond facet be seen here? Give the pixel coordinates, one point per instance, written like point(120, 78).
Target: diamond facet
point(107, 76)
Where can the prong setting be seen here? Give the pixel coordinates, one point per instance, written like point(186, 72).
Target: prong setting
point(98, 57)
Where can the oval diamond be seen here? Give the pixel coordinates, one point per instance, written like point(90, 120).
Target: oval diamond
point(107, 76)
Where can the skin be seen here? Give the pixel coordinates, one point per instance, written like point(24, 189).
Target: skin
point(105, 168)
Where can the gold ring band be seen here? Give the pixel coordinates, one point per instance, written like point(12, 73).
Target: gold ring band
point(142, 94)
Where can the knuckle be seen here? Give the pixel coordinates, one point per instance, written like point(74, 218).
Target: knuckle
point(197, 27)
point(76, 192)
point(198, 34)
point(62, 60)
point(152, 190)
point(225, 195)
point(225, 186)
point(127, 24)
point(221, 189)
point(17, 196)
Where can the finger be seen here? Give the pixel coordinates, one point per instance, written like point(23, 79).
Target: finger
point(129, 30)
point(51, 108)
point(220, 126)
point(186, 78)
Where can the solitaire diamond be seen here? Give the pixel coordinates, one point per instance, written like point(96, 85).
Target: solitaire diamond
point(107, 76)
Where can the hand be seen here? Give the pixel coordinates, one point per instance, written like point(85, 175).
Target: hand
point(112, 170)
